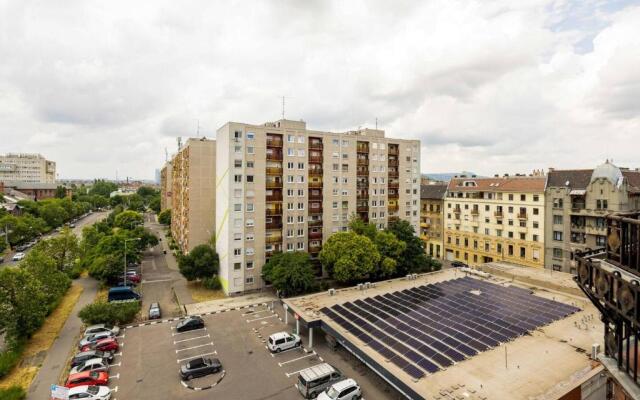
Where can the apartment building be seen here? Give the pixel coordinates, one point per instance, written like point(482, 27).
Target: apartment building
point(166, 185)
point(495, 219)
point(25, 167)
point(577, 202)
point(193, 193)
point(282, 187)
point(432, 197)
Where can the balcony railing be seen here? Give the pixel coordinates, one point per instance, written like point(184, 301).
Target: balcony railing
point(394, 185)
point(362, 171)
point(273, 239)
point(315, 196)
point(315, 235)
point(498, 214)
point(273, 184)
point(393, 163)
point(317, 210)
point(522, 215)
point(274, 197)
point(623, 241)
point(315, 184)
point(315, 171)
point(362, 208)
point(274, 225)
point(274, 156)
point(274, 211)
point(475, 211)
point(363, 161)
point(315, 145)
point(393, 151)
point(362, 195)
point(274, 142)
point(314, 222)
point(314, 248)
point(274, 170)
point(393, 207)
point(362, 148)
point(314, 158)
point(393, 195)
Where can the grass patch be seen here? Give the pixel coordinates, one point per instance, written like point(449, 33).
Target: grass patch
point(41, 341)
point(199, 293)
point(12, 393)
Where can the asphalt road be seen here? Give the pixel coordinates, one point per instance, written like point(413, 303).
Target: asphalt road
point(88, 220)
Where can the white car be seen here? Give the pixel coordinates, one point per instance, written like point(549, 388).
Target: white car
point(93, 338)
point(347, 389)
point(283, 341)
point(18, 256)
point(93, 329)
point(94, 364)
point(90, 393)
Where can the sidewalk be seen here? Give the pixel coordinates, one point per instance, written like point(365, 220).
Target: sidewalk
point(231, 302)
point(54, 363)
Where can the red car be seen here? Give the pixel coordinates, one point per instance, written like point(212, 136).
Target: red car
point(91, 378)
point(133, 277)
point(108, 344)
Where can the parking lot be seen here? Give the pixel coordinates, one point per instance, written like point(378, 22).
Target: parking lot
point(148, 362)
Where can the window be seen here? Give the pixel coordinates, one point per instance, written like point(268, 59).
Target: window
point(237, 193)
point(251, 135)
point(535, 238)
point(523, 197)
point(237, 163)
point(291, 138)
point(250, 222)
point(250, 251)
point(237, 134)
point(250, 178)
point(536, 211)
point(249, 264)
point(237, 236)
point(250, 150)
point(237, 178)
point(237, 266)
point(536, 197)
point(523, 236)
point(291, 152)
point(557, 203)
point(237, 207)
point(249, 164)
point(237, 252)
point(249, 280)
point(557, 253)
point(249, 237)
point(300, 165)
point(511, 197)
point(249, 207)
point(557, 219)
point(557, 235)
point(523, 252)
point(536, 224)
point(601, 241)
point(300, 139)
point(237, 149)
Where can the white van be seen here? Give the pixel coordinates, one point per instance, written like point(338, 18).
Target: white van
point(347, 389)
point(283, 341)
point(314, 380)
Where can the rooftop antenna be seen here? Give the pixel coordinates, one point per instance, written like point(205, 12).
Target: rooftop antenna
point(376, 123)
point(179, 142)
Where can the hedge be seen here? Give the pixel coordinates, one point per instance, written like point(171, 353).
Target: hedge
point(13, 393)
point(109, 313)
point(10, 357)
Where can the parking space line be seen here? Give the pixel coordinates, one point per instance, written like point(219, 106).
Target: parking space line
point(285, 351)
point(116, 376)
point(296, 359)
point(116, 365)
point(258, 319)
point(191, 358)
point(117, 354)
point(194, 347)
point(290, 374)
point(193, 338)
point(182, 333)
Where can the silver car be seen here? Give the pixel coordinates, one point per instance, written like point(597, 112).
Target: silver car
point(94, 364)
point(87, 340)
point(154, 311)
point(98, 328)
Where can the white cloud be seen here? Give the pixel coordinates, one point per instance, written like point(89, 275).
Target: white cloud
point(490, 87)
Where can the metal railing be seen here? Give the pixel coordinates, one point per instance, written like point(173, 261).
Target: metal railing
point(623, 241)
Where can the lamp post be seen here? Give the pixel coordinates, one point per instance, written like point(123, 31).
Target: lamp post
point(125, 257)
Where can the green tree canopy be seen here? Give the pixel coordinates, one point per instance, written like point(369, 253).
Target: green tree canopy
point(103, 188)
point(128, 219)
point(154, 204)
point(63, 249)
point(349, 257)
point(165, 217)
point(390, 249)
point(61, 192)
point(413, 259)
point(146, 191)
point(54, 282)
point(23, 294)
point(290, 273)
point(357, 225)
point(53, 214)
point(201, 262)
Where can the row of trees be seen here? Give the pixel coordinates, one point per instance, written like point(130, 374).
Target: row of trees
point(363, 253)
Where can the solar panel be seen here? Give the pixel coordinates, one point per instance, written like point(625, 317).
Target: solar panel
point(430, 327)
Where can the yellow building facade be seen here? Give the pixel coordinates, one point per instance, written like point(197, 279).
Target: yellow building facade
point(432, 218)
point(495, 219)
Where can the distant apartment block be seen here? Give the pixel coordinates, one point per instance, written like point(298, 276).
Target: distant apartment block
point(166, 185)
point(282, 187)
point(29, 168)
point(193, 193)
point(577, 202)
point(432, 196)
point(495, 219)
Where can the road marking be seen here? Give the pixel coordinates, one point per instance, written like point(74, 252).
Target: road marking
point(258, 319)
point(182, 333)
point(297, 359)
point(117, 354)
point(116, 376)
point(120, 337)
point(158, 280)
point(191, 358)
point(115, 389)
point(290, 374)
point(194, 347)
point(193, 338)
point(115, 365)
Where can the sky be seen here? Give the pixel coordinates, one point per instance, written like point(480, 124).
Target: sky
point(490, 86)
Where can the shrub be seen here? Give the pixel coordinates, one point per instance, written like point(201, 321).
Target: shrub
point(75, 271)
point(10, 357)
point(13, 393)
point(109, 313)
point(212, 283)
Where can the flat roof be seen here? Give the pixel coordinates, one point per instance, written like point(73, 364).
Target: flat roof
point(542, 364)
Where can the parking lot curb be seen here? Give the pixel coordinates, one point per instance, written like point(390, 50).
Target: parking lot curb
point(181, 318)
point(204, 387)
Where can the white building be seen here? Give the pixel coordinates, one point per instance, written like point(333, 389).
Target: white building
point(25, 167)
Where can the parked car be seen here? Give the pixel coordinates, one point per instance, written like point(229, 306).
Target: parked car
point(283, 341)
point(122, 283)
point(94, 364)
point(89, 378)
point(347, 389)
point(18, 256)
point(109, 344)
point(90, 393)
point(93, 329)
point(81, 357)
point(133, 277)
point(94, 338)
point(458, 264)
point(154, 311)
point(72, 226)
point(189, 324)
point(123, 293)
point(200, 366)
point(314, 380)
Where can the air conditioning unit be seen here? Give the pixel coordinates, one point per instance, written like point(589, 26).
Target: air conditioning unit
point(408, 277)
point(332, 292)
point(360, 286)
point(414, 276)
point(595, 349)
point(367, 285)
point(373, 284)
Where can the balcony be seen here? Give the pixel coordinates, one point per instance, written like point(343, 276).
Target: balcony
point(623, 244)
point(577, 228)
point(315, 184)
point(314, 222)
point(393, 195)
point(393, 207)
point(273, 184)
point(362, 171)
point(498, 214)
point(273, 239)
point(362, 208)
point(316, 145)
point(522, 216)
point(394, 174)
point(315, 248)
point(276, 197)
point(274, 156)
point(394, 185)
point(274, 171)
point(362, 147)
point(314, 211)
point(393, 150)
point(595, 230)
point(273, 142)
point(315, 196)
point(577, 207)
point(475, 212)
point(315, 171)
point(274, 225)
point(457, 210)
point(363, 161)
point(393, 163)
point(270, 211)
point(315, 158)
point(315, 235)
point(362, 195)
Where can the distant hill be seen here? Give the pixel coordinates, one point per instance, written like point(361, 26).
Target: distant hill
point(446, 176)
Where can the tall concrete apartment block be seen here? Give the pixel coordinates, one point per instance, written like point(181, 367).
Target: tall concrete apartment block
point(26, 167)
point(166, 185)
point(495, 219)
point(282, 187)
point(193, 194)
point(577, 202)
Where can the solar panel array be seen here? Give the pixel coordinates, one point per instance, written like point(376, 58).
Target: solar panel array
point(427, 328)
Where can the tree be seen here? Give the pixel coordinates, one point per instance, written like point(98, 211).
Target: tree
point(357, 225)
point(154, 204)
point(349, 257)
point(53, 214)
point(61, 192)
point(165, 217)
point(201, 262)
point(146, 191)
point(135, 202)
point(390, 249)
point(128, 219)
point(103, 188)
point(290, 273)
point(23, 294)
point(54, 282)
point(63, 249)
point(413, 259)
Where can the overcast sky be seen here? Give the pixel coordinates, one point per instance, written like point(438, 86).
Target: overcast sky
point(487, 86)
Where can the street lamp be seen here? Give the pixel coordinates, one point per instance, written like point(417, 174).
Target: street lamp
point(125, 257)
